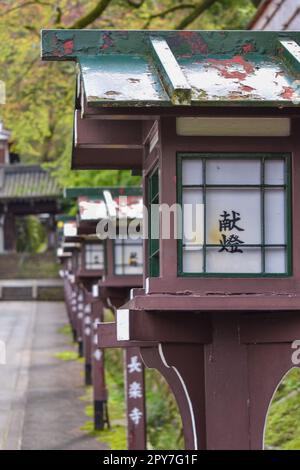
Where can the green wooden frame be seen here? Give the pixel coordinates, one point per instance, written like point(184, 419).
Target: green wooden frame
point(288, 210)
point(153, 245)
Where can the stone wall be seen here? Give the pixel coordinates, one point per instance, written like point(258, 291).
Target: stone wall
point(28, 265)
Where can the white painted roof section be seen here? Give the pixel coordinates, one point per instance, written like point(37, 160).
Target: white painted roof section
point(111, 204)
point(91, 209)
point(130, 207)
point(113, 208)
point(278, 15)
point(70, 229)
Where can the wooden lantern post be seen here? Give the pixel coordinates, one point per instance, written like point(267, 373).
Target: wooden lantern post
point(215, 120)
point(83, 306)
point(122, 272)
point(92, 269)
point(67, 259)
point(72, 243)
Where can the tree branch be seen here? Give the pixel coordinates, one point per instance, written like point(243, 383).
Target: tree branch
point(25, 4)
point(59, 14)
point(135, 4)
point(256, 3)
point(164, 13)
point(91, 16)
point(199, 9)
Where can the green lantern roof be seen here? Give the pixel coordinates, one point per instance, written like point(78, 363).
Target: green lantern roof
point(106, 202)
point(188, 68)
point(97, 193)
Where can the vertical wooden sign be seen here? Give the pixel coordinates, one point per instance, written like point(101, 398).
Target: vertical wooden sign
point(135, 399)
point(87, 339)
point(79, 310)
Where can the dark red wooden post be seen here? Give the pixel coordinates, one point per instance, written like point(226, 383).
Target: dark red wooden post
point(68, 298)
point(9, 231)
point(87, 337)
point(79, 318)
point(134, 379)
point(135, 399)
point(98, 368)
point(73, 310)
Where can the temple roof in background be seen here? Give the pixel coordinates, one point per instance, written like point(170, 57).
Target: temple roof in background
point(25, 182)
point(279, 15)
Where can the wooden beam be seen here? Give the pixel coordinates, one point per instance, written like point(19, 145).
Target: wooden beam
point(269, 327)
point(169, 327)
point(211, 303)
point(170, 72)
point(103, 134)
point(289, 51)
point(107, 338)
point(106, 159)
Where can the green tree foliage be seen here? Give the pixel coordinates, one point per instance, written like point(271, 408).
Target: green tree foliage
point(40, 96)
point(164, 426)
point(32, 236)
point(282, 430)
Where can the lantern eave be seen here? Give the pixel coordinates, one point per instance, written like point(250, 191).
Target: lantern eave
point(174, 68)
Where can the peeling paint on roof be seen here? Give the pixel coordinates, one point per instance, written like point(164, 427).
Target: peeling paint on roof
point(239, 79)
point(121, 207)
point(129, 79)
point(91, 209)
point(190, 68)
point(108, 202)
point(129, 207)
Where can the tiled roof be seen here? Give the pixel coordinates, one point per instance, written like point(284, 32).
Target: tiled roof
point(277, 15)
point(27, 182)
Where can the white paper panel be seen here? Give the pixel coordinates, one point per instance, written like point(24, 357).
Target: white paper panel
point(118, 254)
point(133, 270)
point(274, 216)
point(192, 260)
point(133, 254)
point(94, 256)
point(245, 202)
point(192, 171)
point(223, 262)
point(129, 257)
point(119, 270)
point(233, 171)
point(275, 260)
point(193, 221)
point(274, 171)
point(94, 264)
